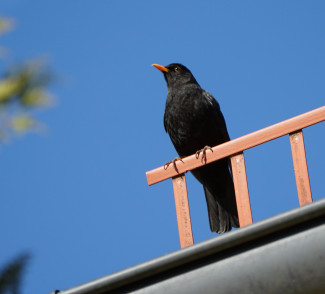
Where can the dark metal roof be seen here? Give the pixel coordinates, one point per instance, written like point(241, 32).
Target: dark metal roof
point(283, 254)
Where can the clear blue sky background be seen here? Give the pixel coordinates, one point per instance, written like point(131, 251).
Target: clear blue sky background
point(77, 198)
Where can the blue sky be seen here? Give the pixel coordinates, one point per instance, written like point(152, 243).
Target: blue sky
point(76, 197)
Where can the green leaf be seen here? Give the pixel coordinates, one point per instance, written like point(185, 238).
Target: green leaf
point(11, 275)
point(35, 97)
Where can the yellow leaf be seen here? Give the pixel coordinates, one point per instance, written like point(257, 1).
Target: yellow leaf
point(22, 123)
point(8, 88)
point(6, 24)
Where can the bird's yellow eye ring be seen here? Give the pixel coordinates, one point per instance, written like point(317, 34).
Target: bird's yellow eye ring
point(177, 69)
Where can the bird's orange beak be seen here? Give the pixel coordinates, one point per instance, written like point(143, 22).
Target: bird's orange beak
point(160, 67)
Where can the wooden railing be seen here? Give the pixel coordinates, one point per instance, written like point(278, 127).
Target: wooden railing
point(234, 149)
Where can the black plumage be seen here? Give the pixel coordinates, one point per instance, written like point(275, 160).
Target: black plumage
point(193, 120)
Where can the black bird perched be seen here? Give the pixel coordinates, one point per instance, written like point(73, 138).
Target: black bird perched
point(194, 121)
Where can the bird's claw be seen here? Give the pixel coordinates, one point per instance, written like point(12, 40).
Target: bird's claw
point(204, 156)
point(166, 165)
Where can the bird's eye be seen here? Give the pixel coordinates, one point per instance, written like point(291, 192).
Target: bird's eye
point(177, 69)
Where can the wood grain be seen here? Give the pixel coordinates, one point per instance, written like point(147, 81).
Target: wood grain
point(182, 211)
point(300, 167)
point(241, 189)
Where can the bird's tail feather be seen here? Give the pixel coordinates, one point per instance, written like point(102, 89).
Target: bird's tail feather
point(219, 191)
point(220, 219)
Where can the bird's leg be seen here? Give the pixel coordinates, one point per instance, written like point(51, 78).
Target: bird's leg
point(204, 151)
point(166, 165)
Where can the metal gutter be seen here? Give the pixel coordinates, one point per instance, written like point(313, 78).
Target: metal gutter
point(283, 254)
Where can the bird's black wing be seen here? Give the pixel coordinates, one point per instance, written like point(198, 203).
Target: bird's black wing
point(216, 177)
point(217, 116)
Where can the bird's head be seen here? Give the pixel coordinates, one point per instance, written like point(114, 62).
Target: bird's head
point(176, 74)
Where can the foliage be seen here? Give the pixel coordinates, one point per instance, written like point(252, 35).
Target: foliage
point(11, 275)
point(23, 89)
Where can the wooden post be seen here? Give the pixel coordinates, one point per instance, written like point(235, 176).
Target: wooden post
point(300, 167)
point(241, 189)
point(182, 211)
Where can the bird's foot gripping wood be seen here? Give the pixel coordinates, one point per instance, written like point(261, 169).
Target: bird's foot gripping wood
point(166, 165)
point(204, 156)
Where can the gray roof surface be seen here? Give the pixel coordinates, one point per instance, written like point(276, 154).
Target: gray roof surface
point(282, 254)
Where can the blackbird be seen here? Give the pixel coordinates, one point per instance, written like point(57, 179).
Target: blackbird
point(194, 122)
